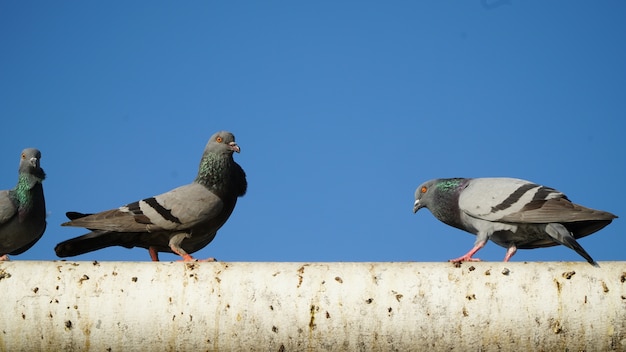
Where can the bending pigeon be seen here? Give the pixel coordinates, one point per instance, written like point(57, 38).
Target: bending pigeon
point(181, 221)
point(23, 209)
point(513, 213)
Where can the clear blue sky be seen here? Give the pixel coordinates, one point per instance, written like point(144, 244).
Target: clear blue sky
point(341, 109)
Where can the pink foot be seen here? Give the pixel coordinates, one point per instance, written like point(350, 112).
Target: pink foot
point(465, 258)
point(188, 258)
point(468, 256)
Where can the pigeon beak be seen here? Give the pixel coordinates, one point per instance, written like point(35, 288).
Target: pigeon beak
point(234, 147)
point(34, 162)
point(417, 206)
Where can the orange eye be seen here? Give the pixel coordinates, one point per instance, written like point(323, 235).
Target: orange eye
point(219, 139)
point(424, 189)
point(23, 156)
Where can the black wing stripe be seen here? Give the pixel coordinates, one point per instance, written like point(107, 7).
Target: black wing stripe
point(134, 208)
point(543, 193)
point(165, 213)
point(514, 197)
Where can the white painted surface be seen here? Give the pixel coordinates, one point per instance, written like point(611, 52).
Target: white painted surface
point(127, 306)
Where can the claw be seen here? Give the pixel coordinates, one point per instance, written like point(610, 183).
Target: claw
point(465, 258)
point(468, 256)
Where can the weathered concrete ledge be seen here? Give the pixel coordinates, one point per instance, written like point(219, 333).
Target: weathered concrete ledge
point(490, 306)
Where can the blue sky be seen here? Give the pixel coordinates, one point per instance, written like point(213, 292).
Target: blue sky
point(341, 109)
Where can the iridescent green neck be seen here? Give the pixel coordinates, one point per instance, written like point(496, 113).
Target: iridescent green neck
point(211, 172)
point(25, 182)
point(449, 184)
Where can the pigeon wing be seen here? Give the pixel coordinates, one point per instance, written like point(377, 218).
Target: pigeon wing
point(178, 209)
point(518, 201)
point(508, 200)
point(559, 210)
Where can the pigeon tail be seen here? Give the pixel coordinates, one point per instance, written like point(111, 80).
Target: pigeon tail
point(90, 242)
point(561, 235)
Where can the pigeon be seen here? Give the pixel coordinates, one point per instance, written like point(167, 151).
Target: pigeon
point(23, 208)
point(181, 221)
point(513, 213)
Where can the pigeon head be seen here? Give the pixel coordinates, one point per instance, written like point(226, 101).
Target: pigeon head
point(436, 193)
point(30, 163)
point(222, 142)
point(424, 195)
point(218, 170)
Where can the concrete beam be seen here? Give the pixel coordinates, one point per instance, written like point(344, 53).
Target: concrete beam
point(490, 306)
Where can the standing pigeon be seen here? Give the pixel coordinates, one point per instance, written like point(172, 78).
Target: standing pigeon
point(23, 209)
point(181, 221)
point(513, 213)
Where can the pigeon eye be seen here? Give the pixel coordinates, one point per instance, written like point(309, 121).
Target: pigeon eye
point(23, 156)
point(219, 139)
point(424, 189)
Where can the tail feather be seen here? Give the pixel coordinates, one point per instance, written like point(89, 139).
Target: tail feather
point(584, 228)
point(73, 215)
point(562, 235)
point(92, 241)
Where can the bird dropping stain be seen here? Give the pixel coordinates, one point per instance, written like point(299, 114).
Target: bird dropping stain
point(312, 324)
point(568, 274)
point(605, 288)
point(300, 276)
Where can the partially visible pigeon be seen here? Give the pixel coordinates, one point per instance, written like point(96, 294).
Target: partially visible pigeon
point(23, 209)
point(181, 221)
point(511, 212)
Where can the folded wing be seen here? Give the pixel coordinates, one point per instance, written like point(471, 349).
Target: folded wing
point(178, 209)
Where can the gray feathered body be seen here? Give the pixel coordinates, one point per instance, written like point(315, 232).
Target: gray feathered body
point(186, 218)
point(23, 208)
point(513, 213)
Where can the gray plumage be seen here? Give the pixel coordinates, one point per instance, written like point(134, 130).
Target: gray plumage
point(23, 208)
point(511, 212)
point(181, 221)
